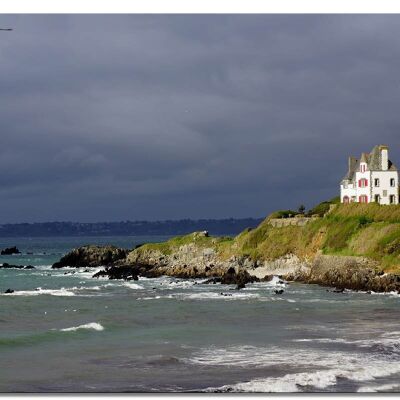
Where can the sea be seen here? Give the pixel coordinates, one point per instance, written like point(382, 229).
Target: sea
point(64, 331)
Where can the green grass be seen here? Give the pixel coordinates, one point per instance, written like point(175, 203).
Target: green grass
point(196, 238)
point(373, 211)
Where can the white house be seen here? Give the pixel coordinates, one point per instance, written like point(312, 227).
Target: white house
point(371, 178)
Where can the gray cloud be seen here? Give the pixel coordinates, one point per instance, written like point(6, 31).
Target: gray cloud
point(155, 117)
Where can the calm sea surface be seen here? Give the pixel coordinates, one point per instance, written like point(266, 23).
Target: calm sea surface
point(67, 332)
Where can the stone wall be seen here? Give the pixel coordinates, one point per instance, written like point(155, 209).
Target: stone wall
point(298, 221)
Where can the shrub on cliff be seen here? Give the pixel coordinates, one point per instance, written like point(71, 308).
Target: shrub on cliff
point(322, 208)
point(283, 214)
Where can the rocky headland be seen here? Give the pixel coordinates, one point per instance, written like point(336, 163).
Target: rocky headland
point(351, 246)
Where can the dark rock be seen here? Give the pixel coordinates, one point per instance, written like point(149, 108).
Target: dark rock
point(267, 278)
point(241, 278)
point(9, 291)
point(8, 266)
point(240, 285)
point(126, 272)
point(91, 256)
point(338, 290)
point(212, 281)
point(29, 267)
point(10, 250)
point(279, 291)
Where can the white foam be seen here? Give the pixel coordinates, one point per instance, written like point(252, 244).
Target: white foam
point(323, 367)
point(43, 267)
point(276, 282)
point(388, 339)
point(180, 284)
point(91, 325)
point(132, 285)
point(231, 295)
point(378, 388)
point(151, 298)
point(53, 292)
point(288, 383)
point(40, 291)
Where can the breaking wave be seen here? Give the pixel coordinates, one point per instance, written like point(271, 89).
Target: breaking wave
point(40, 291)
point(91, 325)
point(322, 367)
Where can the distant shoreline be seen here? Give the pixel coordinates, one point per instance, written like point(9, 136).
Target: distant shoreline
point(227, 226)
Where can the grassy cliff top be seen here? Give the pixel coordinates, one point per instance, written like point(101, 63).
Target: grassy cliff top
point(369, 230)
point(197, 238)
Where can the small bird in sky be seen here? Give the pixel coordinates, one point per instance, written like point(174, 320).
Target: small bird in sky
point(5, 29)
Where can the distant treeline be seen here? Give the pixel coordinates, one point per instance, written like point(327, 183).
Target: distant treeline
point(229, 226)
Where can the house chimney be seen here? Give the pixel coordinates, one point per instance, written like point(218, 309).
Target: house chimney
point(384, 157)
point(352, 163)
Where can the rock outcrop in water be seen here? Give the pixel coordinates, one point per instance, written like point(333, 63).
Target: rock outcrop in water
point(91, 256)
point(9, 251)
point(231, 277)
point(125, 272)
point(12, 266)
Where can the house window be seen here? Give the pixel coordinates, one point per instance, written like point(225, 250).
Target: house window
point(376, 182)
point(377, 198)
point(384, 193)
point(363, 167)
point(363, 199)
point(392, 182)
point(363, 182)
point(392, 199)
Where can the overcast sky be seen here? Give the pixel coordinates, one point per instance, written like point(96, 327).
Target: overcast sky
point(122, 117)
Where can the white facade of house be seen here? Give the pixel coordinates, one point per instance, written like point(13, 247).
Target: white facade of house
point(371, 178)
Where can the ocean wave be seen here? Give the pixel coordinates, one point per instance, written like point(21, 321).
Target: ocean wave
point(385, 343)
point(91, 325)
point(43, 267)
point(322, 365)
point(320, 379)
point(228, 296)
point(277, 282)
point(287, 384)
point(40, 291)
point(181, 284)
point(379, 388)
point(132, 285)
point(66, 292)
point(216, 296)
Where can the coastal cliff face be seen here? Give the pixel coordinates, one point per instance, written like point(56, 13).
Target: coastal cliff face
point(355, 246)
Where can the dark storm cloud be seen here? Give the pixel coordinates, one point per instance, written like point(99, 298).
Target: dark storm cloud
point(154, 117)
